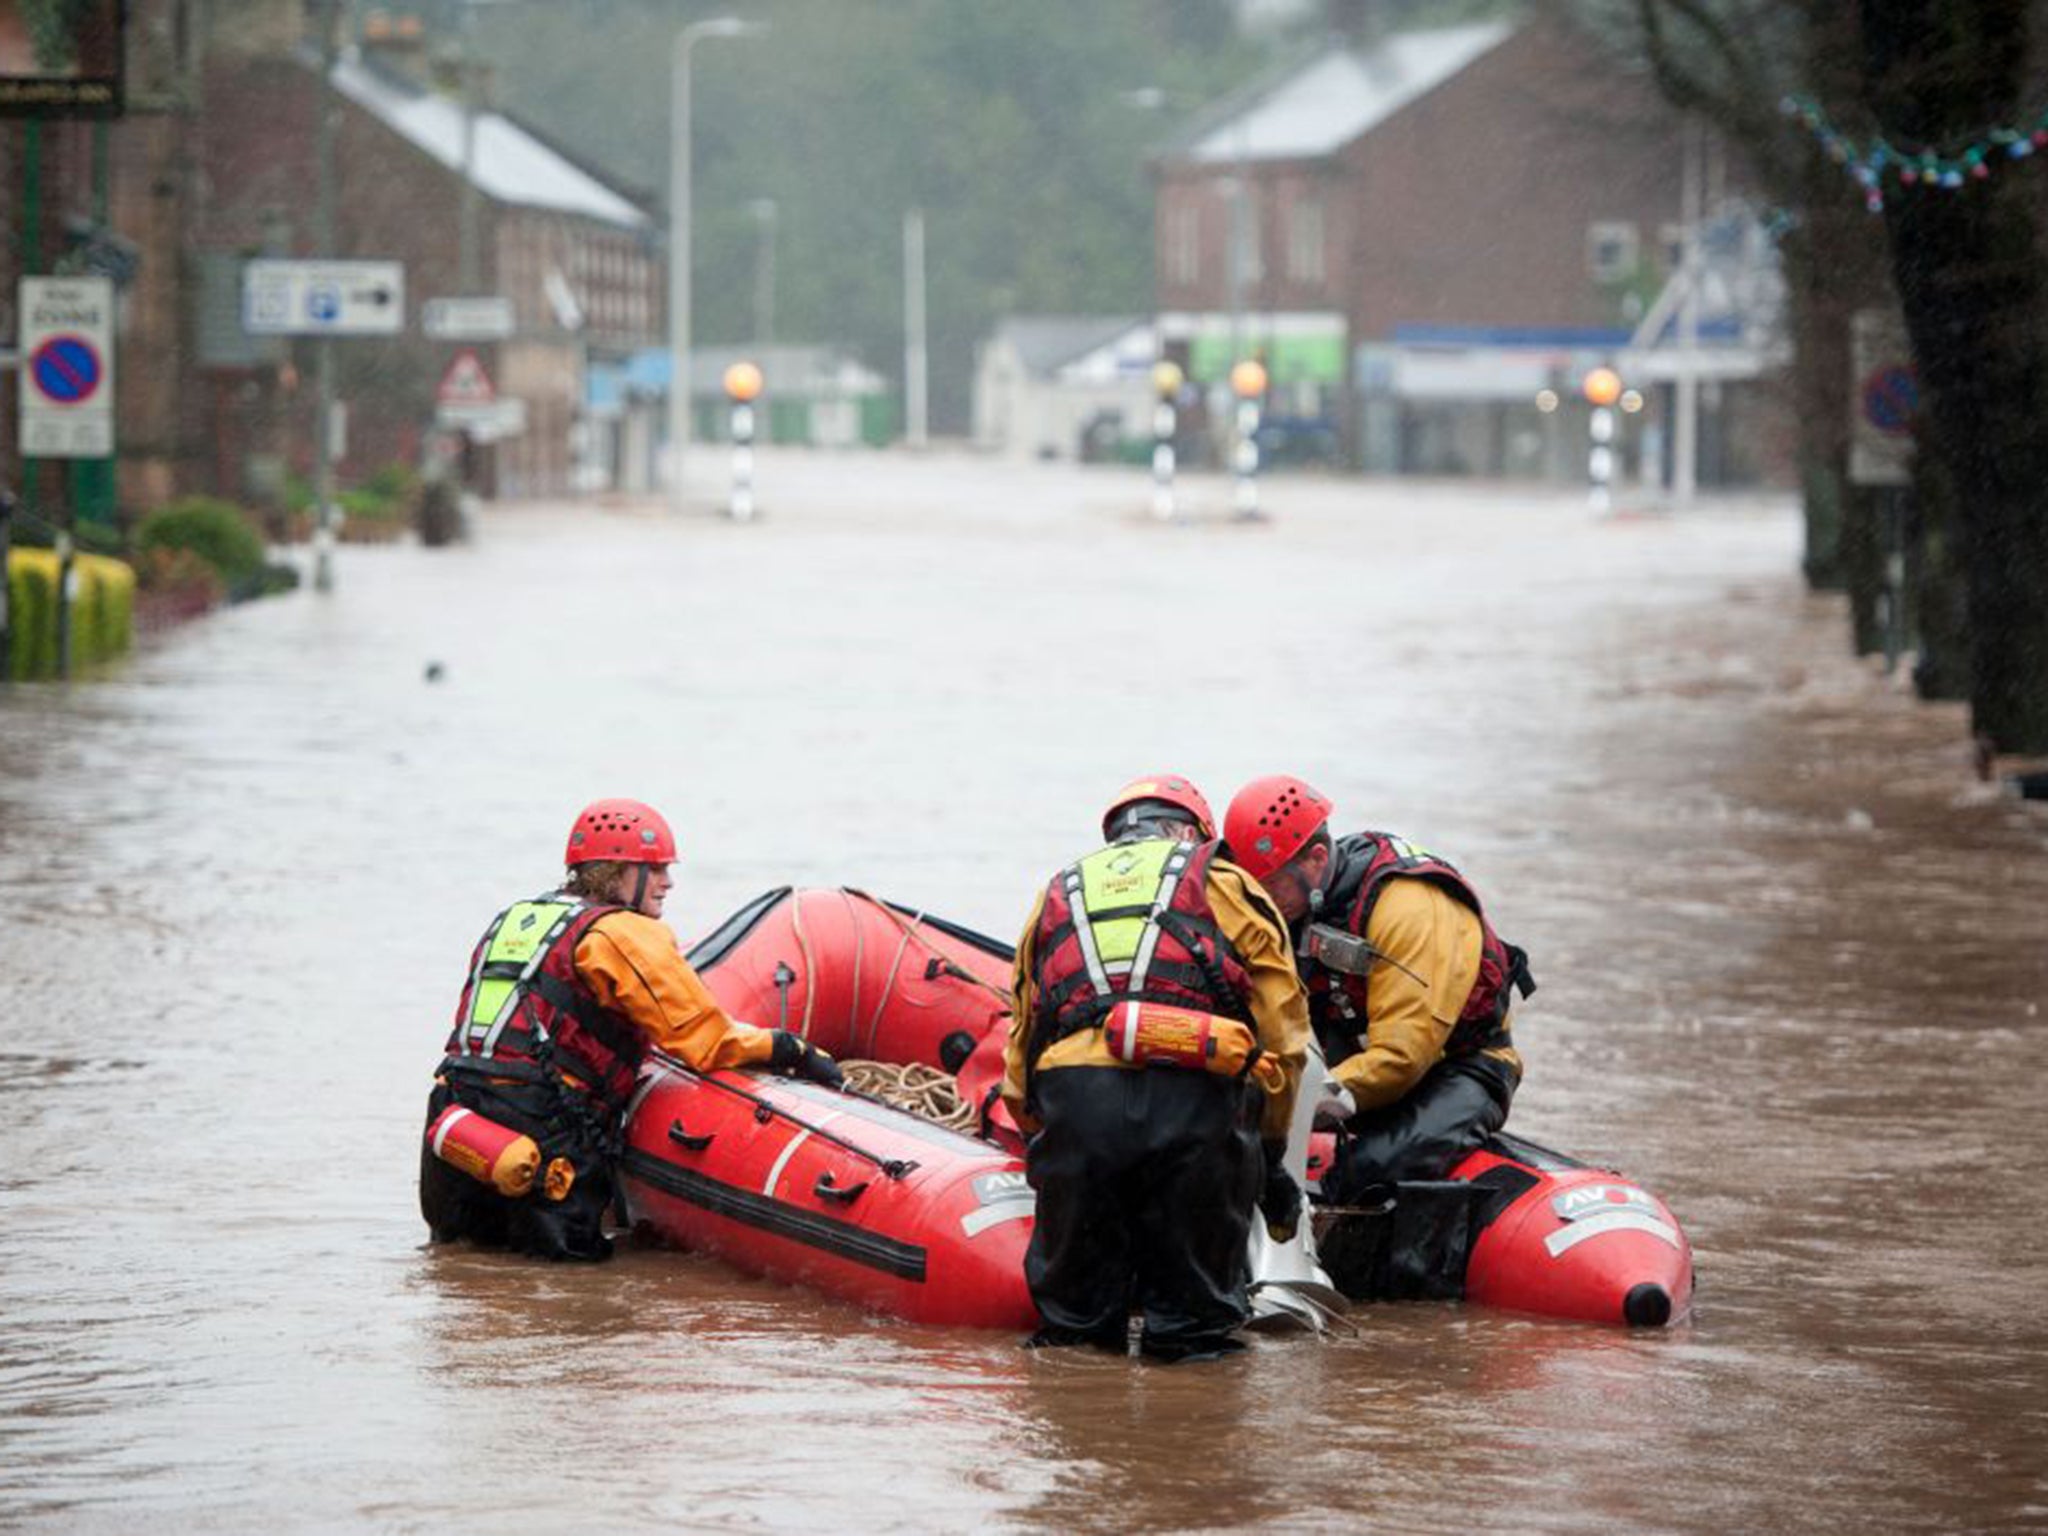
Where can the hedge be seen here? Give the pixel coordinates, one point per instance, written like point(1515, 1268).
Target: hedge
point(102, 619)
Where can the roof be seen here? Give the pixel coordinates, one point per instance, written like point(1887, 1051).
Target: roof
point(789, 370)
point(511, 165)
point(1333, 98)
point(1045, 343)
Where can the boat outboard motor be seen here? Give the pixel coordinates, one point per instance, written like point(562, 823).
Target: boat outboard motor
point(1290, 1288)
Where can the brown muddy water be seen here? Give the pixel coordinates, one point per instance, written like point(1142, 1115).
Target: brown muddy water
point(1792, 956)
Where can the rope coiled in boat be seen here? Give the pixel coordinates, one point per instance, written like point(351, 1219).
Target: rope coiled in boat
point(926, 1092)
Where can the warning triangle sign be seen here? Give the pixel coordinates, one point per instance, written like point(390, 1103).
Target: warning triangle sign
point(465, 382)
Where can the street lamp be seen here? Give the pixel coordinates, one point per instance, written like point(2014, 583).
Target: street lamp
point(679, 236)
point(763, 209)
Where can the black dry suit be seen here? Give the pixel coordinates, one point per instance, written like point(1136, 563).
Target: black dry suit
point(1146, 1177)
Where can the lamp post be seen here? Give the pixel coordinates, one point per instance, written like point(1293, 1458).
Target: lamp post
point(764, 211)
point(679, 236)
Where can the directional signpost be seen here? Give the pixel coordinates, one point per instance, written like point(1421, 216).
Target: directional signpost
point(323, 298)
point(487, 317)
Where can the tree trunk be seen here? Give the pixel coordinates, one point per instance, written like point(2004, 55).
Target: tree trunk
point(1834, 266)
point(1937, 605)
point(1942, 74)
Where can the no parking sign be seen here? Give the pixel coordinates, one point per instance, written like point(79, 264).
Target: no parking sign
point(67, 367)
point(1886, 401)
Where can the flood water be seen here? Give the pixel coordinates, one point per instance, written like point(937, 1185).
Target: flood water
point(1791, 956)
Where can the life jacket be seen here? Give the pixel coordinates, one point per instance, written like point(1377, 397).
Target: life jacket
point(1363, 863)
point(526, 1015)
point(1132, 922)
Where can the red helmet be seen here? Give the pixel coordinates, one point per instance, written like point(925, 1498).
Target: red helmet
point(1269, 822)
point(624, 830)
point(1170, 787)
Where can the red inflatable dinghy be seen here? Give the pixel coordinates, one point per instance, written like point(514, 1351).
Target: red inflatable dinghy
point(826, 1189)
point(858, 977)
point(765, 1172)
point(1541, 1233)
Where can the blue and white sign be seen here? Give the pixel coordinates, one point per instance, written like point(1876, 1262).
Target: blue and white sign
point(67, 367)
point(323, 298)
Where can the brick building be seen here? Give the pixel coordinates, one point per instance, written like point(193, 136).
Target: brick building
point(1421, 232)
point(213, 162)
point(573, 254)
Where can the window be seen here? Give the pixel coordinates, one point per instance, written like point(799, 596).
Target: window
point(1671, 243)
point(1245, 217)
point(1611, 251)
point(1305, 240)
point(1183, 242)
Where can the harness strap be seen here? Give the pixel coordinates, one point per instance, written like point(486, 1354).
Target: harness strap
point(1518, 969)
point(1084, 929)
point(600, 1025)
point(476, 976)
point(1169, 881)
point(522, 983)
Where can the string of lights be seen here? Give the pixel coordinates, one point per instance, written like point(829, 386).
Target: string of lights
point(1872, 163)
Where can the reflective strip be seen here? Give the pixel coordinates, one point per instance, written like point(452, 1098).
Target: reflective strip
point(1126, 1015)
point(476, 977)
point(1084, 930)
point(1169, 879)
point(447, 1125)
point(782, 1158)
point(1617, 1220)
point(994, 1214)
point(647, 1085)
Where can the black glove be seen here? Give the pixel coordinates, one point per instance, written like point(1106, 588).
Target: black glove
point(796, 1057)
point(1280, 1199)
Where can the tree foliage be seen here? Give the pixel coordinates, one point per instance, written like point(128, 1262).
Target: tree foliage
point(1019, 129)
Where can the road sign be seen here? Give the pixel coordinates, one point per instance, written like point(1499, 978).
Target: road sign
point(487, 421)
point(487, 317)
point(323, 298)
point(1886, 401)
point(465, 382)
point(67, 367)
point(1891, 399)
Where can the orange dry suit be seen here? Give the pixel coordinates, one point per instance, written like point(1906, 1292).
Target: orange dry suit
point(563, 1001)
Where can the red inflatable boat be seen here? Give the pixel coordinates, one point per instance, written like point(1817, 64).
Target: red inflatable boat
point(826, 1189)
point(872, 1204)
point(858, 977)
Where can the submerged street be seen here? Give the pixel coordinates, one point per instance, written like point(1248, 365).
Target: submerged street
point(1791, 961)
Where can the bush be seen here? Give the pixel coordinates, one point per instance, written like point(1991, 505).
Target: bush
point(216, 531)
point(368, 506)
point(102, 618)
point(163, 569)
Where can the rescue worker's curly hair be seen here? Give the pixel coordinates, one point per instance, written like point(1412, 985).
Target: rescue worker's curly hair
point(596, 880)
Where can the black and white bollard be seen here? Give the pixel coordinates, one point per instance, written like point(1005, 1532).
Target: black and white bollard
point(1166, 382)
point(1602, 387)
point(1248, 383)
point(742, 388)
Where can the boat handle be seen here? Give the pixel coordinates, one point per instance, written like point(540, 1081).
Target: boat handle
point(683, 1138)
point(825, 1189)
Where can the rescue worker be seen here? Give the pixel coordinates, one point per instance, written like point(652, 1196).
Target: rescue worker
point(1409, 986)
point(1148, 1169)
point(566, 995)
